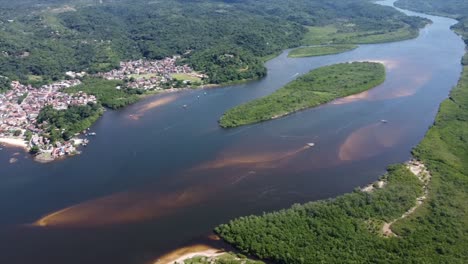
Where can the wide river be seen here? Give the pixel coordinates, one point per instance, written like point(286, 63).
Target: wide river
point(159, 176)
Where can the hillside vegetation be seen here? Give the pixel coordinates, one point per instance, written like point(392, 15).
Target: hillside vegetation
point(344, 229)
point(312, 89)
point(454, 8)
point(40, 40)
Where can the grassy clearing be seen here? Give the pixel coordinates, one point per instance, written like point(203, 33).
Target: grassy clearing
point(340, 34)
point(143, 76)
point(319, 35)
point(320, 50)
point(35, 78)
point(186, 77)
point(317, 87)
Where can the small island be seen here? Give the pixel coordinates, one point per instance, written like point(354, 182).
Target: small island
point(320, 50)
point(317, 87)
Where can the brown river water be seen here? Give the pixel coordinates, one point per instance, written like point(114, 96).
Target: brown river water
point(159, 176)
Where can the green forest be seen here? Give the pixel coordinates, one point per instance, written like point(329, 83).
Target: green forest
point(228, 40)
point(63, 124)
point(227, 258)
point(317, 87)
point(343, 228)
point(330, 231)
point(5, 84)
point(106, 92)
point(452, 8)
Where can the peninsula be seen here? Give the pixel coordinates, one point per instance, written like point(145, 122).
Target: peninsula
point(400, 218)
point(117, 58)
point(47, 120)
point(317, 87)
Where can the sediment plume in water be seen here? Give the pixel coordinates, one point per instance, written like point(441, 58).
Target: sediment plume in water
point(122, 208)
point(408, 86)
point(141, 205)
point(389, 64)
point(369, 141)
point(153, 104)
point(257, 160)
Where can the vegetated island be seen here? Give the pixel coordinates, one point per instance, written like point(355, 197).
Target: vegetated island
point(354, 227)
point(351, 227)
point(49, 47)
point(427, 216)
point(320, 50)
point(317, 87)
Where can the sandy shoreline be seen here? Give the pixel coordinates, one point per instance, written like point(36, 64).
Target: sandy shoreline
point(180, 255)
point(14, 142)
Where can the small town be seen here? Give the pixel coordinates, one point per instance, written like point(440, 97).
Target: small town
point(20, 106)
point(150, 75)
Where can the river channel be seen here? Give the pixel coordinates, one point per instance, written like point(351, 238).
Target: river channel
point(159, 176)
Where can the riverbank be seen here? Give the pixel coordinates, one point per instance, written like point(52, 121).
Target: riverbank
point(14, 142)
point(420, 171)
point(106, 92)
point(180, 255)
point(203, 254)
point(428, 229)
point(320, 50)
point(317, 87)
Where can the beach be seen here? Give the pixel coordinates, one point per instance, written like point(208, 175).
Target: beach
point(14, 142)
point(185, 253)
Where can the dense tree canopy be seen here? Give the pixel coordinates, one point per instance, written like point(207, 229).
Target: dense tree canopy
point(5, 84)
point(40, 40)
point(456, 8)
point(63, 124)
point(346, 229)
point(317, 87)
point(343, 229)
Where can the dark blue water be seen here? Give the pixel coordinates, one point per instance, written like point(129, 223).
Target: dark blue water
point(159, 176)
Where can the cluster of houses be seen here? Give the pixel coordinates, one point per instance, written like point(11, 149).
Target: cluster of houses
point(20, 107)
point(149, 74)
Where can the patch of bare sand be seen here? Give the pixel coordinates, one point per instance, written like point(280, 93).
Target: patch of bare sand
point(158, 102)
point(420, 171)
point(14, 142)
point(180, 255)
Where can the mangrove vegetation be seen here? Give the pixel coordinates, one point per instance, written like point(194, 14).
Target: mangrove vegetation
point(346, 228)
point(320, 50)
point(317, 87)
